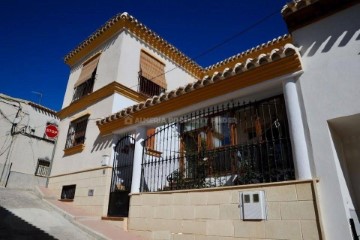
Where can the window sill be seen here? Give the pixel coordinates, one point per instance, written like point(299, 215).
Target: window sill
point(152, 152)
point(66, 200)
point(75, 149)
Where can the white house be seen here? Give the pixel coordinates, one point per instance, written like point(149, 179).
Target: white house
point(261, 145)
point(26, 151)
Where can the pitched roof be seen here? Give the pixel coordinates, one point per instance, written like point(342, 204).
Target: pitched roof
point(126, 21)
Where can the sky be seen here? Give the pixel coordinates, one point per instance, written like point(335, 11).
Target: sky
point(36, 35)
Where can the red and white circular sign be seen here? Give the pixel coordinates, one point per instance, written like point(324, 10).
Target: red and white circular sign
point(51, 131)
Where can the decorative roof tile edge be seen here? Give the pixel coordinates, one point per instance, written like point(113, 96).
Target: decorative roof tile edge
point(139, 27)
point(238, 68)
point(247, 52)
point(295, 5)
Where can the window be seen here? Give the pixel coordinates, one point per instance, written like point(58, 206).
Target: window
point(205, 140)
point(76, 133)
point(85, 83)
point(151, 75)
point(68, 192)
point(149, 88)
point(42, 168)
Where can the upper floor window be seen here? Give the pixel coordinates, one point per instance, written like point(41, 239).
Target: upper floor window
point(151, 75)
point(76, 132)
point(85, 83)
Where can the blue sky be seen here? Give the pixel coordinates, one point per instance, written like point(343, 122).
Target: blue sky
point(36, 35)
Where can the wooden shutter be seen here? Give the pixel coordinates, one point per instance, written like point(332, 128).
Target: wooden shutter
point(150, 143)
point(152, 69)
point(87, 70)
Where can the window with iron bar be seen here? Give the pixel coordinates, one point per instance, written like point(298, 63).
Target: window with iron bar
point(42, 169)
point(84, 88)
point(68, 192)
point(76, 132)
point(149, 88)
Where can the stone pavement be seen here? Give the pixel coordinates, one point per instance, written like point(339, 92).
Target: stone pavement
point(26, 216)
point(89, 222)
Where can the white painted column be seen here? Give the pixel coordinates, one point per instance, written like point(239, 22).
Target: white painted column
point(140, 136)
point(297, 131)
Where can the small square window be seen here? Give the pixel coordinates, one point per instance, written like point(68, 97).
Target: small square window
point(247, 198)
point(256, 198)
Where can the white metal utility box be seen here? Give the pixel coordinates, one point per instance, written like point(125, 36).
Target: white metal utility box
point(252, 205)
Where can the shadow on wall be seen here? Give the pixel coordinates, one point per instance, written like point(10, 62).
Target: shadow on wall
point(102, 143)
point(329, 41)
point(13, 227)
point(336, 33)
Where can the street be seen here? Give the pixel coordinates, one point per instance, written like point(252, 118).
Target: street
point(25, 216)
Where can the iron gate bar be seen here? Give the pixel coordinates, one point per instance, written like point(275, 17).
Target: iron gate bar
point(121, 177)
point(228, 144)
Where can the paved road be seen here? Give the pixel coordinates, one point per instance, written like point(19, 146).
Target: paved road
point(25, 216)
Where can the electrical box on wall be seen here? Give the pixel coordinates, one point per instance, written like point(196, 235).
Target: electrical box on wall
point(252, 205)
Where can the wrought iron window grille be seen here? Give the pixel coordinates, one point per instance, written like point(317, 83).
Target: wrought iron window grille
point(148, 87)
point(84, 88)
point(68, 192)
point(76, 132)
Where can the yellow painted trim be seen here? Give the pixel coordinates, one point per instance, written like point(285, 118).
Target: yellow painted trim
point(254, 76)
point(153, 152)
point(82, 171)
point(99, 94)
point(80, 115)
point(75, 149)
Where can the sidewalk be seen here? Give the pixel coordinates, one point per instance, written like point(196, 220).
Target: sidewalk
point(92, 224)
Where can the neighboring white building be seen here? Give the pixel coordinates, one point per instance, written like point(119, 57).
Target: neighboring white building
point(262, 145)
point(26, 152)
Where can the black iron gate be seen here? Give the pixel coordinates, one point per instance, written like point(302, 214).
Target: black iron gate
point(121, 177)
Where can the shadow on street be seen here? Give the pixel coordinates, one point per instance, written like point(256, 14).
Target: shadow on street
point(13, 227)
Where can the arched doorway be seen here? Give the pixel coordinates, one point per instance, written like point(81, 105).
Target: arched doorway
point(121, 177)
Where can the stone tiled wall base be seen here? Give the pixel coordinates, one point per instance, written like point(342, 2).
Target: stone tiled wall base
point(98, 179)
point(214, 214)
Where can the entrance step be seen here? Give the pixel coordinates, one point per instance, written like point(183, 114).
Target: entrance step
point(120, 222)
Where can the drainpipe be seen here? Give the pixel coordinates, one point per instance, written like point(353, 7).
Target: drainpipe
point(51, 163)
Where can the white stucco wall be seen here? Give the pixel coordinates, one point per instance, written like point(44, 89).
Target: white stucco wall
point(330, 89)
point(107, 69)
point(95, 146)
point(119, 61)
point(129, 64)
point(22, 151)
